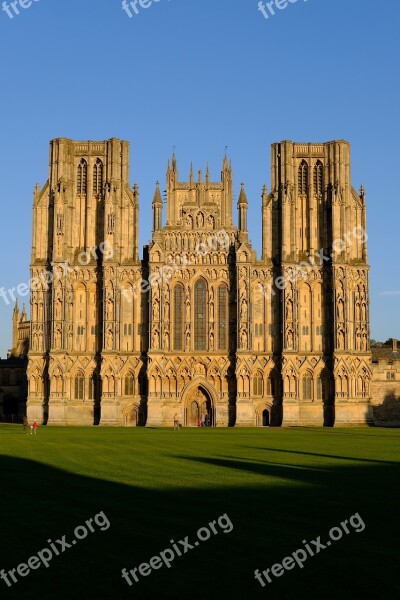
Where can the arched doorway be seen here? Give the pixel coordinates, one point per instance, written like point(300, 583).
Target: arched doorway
point(131, 416)
point(264, 414)
point(199, 406)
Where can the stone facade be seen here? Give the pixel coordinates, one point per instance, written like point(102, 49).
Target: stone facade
point(385, 386)
point(200, 325)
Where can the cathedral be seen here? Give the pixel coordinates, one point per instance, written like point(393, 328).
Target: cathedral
point(197, 324)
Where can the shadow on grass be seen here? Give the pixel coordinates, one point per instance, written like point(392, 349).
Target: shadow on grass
point(39, 502)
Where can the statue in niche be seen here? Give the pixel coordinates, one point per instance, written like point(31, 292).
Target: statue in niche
point(200, 220)
point(110, 309)
point(156, 339)
point(166, 311)
point(59, 243)
point(211, 341)
point(289, 311)
point(210, 221)
point(166, 340)
point(341, 340)
point(187, 336)
point(243, 310)
point(290, 339)
point(340, 311)
point(187, 313)
point(156, 311)
point(364, 343)
point(58, 338)
point(58, 309)
point(243, 338)
point(109, 342)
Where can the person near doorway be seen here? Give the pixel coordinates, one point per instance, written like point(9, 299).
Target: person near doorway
point(25, 423)
point(207, 420)
point(34, 427)
point(176, 421)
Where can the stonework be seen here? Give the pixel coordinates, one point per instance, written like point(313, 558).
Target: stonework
point(385, 385)
point(216, 330)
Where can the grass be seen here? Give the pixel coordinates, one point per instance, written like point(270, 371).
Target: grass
point(277, 486)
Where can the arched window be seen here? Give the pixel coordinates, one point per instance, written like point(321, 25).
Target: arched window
point(178, 317)
point(318, 178)
point(81, 180)
point(129, 385)
point(200, 315)
point(307, 387)
point(79, 386)
point(303, 178)
point(222, 317)
point(258, 384)
point(97, 177)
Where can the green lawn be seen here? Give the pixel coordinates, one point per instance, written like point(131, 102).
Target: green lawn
point(277, 486)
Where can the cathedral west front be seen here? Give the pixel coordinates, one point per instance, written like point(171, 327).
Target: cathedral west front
point(197, 324)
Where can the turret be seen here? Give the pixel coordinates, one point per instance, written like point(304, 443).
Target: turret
point(157, 206)
point(242, 207)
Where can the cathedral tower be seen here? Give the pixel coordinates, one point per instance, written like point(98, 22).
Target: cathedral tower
point(84, 331)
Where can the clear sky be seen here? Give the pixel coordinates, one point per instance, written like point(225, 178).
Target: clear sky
point(201, 75)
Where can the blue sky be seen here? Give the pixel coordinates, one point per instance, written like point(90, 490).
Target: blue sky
point(202, 75)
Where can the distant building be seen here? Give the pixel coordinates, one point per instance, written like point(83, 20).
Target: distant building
point(385, 385)
point(13, 382)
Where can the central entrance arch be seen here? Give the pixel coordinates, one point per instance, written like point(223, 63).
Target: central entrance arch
point(198, 405)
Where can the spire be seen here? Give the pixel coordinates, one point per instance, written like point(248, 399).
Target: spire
point(243, 206)
point(16, 308)
point(173, 160)
point(264, 195)
point(23, 314)
point(242, 197)
point(191, 178)
point(225, 162)
point(157, 200)
point(362, 192)
point(207, 174)
point(200, 176)
point(157, 209)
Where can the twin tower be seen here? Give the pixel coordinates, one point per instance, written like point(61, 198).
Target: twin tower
point(199, 325)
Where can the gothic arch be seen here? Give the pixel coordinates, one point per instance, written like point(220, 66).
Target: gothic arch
point(260, 414)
